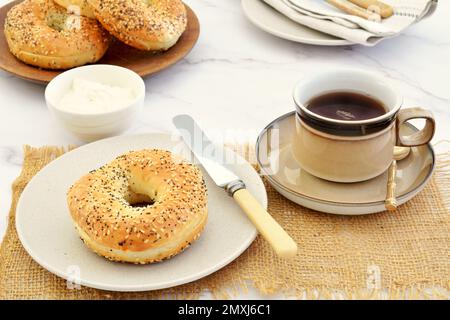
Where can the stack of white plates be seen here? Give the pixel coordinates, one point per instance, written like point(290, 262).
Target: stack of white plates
point(273, 22)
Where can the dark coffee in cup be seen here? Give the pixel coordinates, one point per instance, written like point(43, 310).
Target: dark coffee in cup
point(346, 106)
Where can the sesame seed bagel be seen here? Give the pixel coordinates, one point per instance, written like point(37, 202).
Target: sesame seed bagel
point(143, 24)
point(42, 33)
point(171, 214)
point(79, 7)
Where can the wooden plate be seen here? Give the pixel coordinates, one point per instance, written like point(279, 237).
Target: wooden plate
point(142, 62)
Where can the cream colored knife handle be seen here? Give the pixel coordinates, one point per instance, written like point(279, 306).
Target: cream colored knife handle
point(354, 10)
point(391, 202)
point(383, 9)
point(281, 242)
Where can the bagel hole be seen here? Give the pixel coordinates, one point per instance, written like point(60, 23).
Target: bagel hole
point(56, 20)
point(139, 200)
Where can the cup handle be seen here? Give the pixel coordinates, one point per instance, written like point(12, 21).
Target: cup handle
point(418, 138)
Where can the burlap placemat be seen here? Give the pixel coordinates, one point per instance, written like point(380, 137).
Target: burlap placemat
point(397, 255)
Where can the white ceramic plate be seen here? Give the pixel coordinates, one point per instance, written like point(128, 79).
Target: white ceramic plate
point(273, 152)
point(46, 230)
point(273, 22)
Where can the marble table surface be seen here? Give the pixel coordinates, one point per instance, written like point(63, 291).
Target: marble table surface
point(237, 79)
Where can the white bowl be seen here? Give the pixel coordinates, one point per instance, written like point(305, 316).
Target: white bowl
point(89, 127)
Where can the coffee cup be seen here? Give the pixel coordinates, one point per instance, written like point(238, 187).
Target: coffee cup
point(348, 147)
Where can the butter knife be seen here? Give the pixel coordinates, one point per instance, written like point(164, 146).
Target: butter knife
point(211, 158)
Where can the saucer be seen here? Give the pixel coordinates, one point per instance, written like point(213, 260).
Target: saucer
point(276, 162)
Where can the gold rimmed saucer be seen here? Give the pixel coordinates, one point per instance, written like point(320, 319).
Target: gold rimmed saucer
point(273, 153)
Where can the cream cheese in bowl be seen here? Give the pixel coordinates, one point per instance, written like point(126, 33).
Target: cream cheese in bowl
point(96, 101)
point(92, 97)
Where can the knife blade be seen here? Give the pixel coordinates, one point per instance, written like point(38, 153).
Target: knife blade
point(211, 157)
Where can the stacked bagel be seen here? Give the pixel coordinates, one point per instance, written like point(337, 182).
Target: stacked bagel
point(62, 34)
